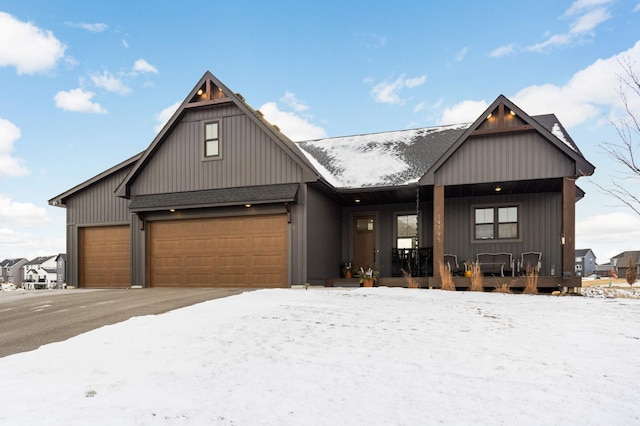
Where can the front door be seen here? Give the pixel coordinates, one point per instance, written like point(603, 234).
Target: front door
point(364, 240)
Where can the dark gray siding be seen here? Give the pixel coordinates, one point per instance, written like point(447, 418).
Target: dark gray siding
point(385, 216)
point(98, 204)
point(517, 156)
point(540, 228)
point(249, 156)
point(323, 238)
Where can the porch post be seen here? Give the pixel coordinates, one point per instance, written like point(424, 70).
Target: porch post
point(438, 229)
point(568, 226)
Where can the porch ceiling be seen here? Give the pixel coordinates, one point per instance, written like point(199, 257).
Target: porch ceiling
point(407, 194)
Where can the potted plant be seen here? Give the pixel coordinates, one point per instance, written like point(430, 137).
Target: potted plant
point(347, 269)
point(368, 277)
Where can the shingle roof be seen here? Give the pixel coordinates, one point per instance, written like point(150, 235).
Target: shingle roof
point(215, 197)
point(401, 157)
point(380, 159)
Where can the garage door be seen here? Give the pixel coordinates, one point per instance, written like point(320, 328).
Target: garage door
point(219, 252)
point(105, 256)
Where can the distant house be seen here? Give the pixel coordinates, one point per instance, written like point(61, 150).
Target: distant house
point(585, 262)
point(11, 270)
point(621, 262)
point(41, 269)
point(61, 268)
point(222, 198)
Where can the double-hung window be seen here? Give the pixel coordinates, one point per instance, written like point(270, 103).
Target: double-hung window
point(496, 223)
point(212, 140)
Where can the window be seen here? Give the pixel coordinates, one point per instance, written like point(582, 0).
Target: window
point(407, 226)
point(211, 140)
point(496, 223)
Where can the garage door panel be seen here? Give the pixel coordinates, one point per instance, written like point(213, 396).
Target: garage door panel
point(105, 256)
point(219, 252)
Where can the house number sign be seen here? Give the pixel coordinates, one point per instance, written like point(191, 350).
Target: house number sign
point(438, 229)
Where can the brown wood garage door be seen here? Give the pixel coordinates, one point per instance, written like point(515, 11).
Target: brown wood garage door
point(218, 252)
point(105, 254)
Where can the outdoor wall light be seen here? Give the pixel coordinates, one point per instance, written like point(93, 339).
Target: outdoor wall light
point(498, 188)
point(512, 112)
point(490, 115)
point(200, 92)
point(172, 210)
point(562, 239)
point(247, 205)
point(357, 200)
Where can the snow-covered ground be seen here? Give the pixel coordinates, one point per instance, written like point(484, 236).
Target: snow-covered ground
point(375, 356)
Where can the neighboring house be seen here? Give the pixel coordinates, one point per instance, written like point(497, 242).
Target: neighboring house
point(222, 198)
point(606, 270)
point(11, 270)
point(41, 269)
point(585, 262)
point(621, 262)
point(61, 269)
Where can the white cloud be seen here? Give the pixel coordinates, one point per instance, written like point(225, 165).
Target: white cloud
point(389, 92)
point(581, 5)
point(502, 51)
point(419, 107)
point(78, 100)
point(463, 112)
point(94, 28)
point(292, 102)
point(9, 165)
point(462, 53)
point(637, 8)
point(163, 116)
point(26, 47)
point(292, 125)
point(589, 94)
point(589, 14)
point(22, 214)
point(608, 234)
point(108, 82)
point(143, 66)
point(125, 44)
point(24, 244)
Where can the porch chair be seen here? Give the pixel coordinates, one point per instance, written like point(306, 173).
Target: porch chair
point(530, 259)
point(451, 262)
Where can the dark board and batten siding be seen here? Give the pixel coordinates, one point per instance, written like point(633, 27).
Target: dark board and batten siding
point(513, 157)
point(540, 222)
point(249, 156)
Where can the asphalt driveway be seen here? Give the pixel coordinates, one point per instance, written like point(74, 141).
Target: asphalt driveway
point(30, 319)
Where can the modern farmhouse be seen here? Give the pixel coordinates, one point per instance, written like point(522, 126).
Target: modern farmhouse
point(222, 198)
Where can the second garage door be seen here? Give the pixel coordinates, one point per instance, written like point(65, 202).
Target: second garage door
point(219, 252)
point(104, 256)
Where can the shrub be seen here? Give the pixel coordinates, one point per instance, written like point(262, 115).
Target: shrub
point(631, 275)
point(411, 282)
point(445, 276)
point(502, 288)
point(476, 278)
point(531, 281)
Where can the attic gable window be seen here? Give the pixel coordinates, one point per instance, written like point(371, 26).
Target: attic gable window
point(212, 140)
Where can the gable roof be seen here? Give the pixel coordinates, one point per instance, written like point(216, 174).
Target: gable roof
point(61, 200)
point(408, 156)
point(623, 258)
point(7, 263)
point(582, 252)
point(501, 104)
point(190, 101)
point(38, 260)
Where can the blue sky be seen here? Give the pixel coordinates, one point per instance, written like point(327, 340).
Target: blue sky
point(86, 85)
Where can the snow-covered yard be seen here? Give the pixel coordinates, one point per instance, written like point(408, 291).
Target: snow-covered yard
point(342, 357)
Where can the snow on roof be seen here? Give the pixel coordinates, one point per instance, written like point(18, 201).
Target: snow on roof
point(380, 159)
point(558, 133)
